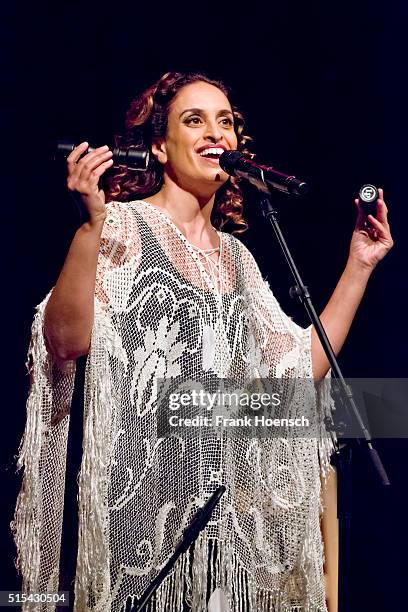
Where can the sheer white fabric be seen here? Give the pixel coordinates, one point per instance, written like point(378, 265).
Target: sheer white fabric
point(159, 313)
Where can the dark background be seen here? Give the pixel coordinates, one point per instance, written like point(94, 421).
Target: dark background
point(323, 87)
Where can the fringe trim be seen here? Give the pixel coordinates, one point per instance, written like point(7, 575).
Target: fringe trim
point(234, 581)
point(92, 585)
point(37, 529)
point(327, 441)
point(26, 526)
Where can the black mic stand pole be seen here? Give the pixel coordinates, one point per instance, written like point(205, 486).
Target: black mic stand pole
point(344, 452)
point(190, 534)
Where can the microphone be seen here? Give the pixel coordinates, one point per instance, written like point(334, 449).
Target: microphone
point(368, 196)
point(236, 164)
point(134, 159)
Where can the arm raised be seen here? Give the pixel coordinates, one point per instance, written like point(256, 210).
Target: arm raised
point(370, 243)
point(70, 309)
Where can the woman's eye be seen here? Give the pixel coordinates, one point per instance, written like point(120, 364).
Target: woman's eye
point(193, 120)
point(196, 120)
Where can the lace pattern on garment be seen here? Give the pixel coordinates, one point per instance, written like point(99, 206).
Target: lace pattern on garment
point(159, 315)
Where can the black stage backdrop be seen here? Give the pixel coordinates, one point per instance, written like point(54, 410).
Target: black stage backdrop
point(323, 87)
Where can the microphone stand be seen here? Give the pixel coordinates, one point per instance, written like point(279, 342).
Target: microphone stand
point(190, 534)
point(344, 451)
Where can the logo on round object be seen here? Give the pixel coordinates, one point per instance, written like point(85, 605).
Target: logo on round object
point(368, 193)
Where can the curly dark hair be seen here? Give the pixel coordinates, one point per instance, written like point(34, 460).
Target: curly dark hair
point(146, 122)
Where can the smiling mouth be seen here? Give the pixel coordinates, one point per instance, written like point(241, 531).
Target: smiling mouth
point(212, 154)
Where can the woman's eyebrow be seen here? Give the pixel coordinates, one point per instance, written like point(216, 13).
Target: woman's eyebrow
point(199, 111)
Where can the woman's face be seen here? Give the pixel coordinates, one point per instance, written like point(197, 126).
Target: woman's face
point(200, 127)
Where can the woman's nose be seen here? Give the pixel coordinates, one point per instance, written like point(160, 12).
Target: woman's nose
point(213, 131)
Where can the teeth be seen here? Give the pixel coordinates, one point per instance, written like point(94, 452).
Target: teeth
point(212, 151)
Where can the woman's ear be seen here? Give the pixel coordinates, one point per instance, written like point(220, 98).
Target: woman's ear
point(159, 151)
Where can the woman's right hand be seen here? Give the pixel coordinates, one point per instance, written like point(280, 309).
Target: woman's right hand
point(83, 178)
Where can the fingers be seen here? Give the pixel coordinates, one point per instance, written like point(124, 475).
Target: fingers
point(84, 173)
point(89, 161)
point(381, 231)
point(74, 156)
point(361, 218)
point(378, 226)
point(88, 164)
point(362, 222)
point(99, 170)
point(382, 210)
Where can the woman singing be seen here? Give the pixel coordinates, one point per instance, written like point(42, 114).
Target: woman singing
point(153, 289)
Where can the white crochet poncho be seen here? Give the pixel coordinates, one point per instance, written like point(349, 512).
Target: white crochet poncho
point(160, 314)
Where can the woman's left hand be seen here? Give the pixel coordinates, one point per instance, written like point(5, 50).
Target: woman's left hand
point(371, 239)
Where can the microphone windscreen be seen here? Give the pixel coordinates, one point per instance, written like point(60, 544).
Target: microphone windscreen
point(228, 161)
